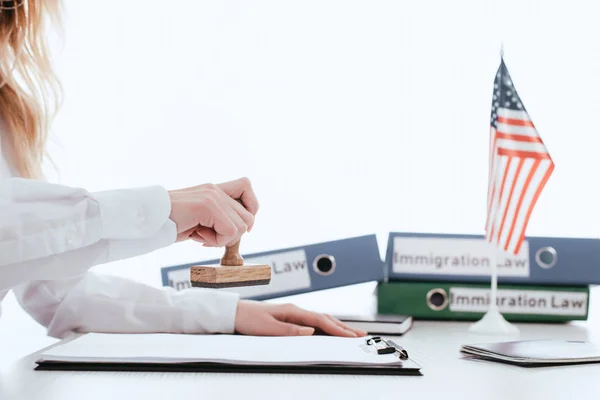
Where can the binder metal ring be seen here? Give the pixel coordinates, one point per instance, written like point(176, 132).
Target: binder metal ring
point(546, 257)
point(439, 292)
point(324, 264)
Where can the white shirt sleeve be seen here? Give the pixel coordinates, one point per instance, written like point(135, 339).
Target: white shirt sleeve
point(104, 303)
point(49, 231)
point(51, 235)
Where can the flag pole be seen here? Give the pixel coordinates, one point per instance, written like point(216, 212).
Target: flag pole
point(493, 322)
point(493, 249)
point(494, 279)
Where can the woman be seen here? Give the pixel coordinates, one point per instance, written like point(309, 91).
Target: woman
point(51, 235)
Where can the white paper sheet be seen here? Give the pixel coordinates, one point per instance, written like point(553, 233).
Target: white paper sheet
point(232, 349)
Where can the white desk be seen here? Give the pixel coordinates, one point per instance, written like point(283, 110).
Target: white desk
point(434, 345)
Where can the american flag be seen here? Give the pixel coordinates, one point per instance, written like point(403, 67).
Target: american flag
point(519, 168)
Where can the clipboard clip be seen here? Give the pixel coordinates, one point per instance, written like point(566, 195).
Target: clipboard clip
point(387, 347)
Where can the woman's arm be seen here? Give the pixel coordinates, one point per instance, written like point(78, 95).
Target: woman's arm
point(52, 234)
point(97, 303)
point(50, 231)
point(103, 303)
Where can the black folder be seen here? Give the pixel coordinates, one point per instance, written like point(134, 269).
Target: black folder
point(535, 353)
point(372, 355)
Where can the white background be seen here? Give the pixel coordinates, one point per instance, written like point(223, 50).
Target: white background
point(350, 117)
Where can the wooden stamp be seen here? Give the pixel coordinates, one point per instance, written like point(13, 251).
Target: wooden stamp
point(231, 273)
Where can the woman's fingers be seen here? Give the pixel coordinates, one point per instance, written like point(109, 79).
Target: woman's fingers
point(214, 207)
point(279, 328)
point(238, 216)
point(218, 218)
point(242, 189)
point(296, 315)
point(243, 213)
point(205, 235)
point(345, 326)
point(230, 218)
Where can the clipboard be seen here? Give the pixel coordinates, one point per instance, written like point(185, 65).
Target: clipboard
point(371, 355)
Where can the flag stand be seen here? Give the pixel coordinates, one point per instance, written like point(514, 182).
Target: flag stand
point(493, 322)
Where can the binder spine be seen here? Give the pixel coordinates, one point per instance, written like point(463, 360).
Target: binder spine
point(301, 269)
point(469, 301)
point(466, 258)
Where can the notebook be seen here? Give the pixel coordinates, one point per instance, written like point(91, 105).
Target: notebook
point(174, 352)
point(379, 324)
point(535, 352)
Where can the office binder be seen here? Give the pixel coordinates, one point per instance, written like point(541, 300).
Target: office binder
point(469, 301)
point(466, 258)
point(228, 353)
point(301, 269)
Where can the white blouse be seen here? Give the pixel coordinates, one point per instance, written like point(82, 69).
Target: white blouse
point(51, 235)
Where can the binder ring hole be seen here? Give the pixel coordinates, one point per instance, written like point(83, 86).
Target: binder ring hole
point(324, 264)
point(546, 257)
point(437, 299)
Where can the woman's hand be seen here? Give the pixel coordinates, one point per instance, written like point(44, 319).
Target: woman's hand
point(211, 213)
point(264, 319)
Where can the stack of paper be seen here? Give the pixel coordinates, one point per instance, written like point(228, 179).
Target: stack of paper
point(535, 352)
point(238, 350)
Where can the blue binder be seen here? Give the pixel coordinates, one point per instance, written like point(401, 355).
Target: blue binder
point(465, 258)
point(301, 269)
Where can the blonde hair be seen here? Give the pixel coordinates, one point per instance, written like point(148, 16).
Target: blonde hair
point(30, 92)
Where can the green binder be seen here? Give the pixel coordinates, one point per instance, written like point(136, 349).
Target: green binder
point(469, 301)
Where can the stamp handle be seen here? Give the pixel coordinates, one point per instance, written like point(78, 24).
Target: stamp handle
point(232, 257)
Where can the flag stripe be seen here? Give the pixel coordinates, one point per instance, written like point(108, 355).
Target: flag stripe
point(501, 194)
point(518, 122)
point(523, 154)
point(540, 187)
point(510, 210)
point(518, 138)
point(521, 146)
point(507, 179)
point(509, 199)
point(517, 129)
point(513, 114)
point(526, 184)
point(501, 161)
point(520, 218)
